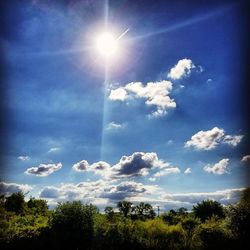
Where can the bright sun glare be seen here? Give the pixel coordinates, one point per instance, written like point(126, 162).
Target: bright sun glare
point(106, 44)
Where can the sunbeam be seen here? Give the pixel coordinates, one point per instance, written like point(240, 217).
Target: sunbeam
point(185, 23)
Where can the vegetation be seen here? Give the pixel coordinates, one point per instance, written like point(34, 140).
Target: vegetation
point(73, 225)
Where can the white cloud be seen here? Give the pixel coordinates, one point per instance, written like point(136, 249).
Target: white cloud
point(246, 158)
point(140, 164)
point(119, 94)
point(226, 196)
point(188, 171)
point(44, 169)
point(10, 188)
point(181, 69)
point(155, 94)
point(137, 164)
point(97, 192)
point(210, 139)
point(103, 192)
point(206, 140)
point(113, 125)
point(23, 158)
point(218, 168)
point(167, 171)
point(232, 140)
point(81, 166)
point(128, 189)
point(55, 149)
point(100, 167)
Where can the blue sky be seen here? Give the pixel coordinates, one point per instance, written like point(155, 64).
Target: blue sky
point(161, 121)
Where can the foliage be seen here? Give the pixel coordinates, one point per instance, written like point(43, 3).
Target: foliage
point(125, 208)
point(73, 225)
point(239, 219)
point(16, 203)
point(206, 209)
point(37, 206)
point(143, 211)
point(109, 211)
point(214, 234)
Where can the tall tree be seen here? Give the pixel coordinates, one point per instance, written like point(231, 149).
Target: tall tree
point(125, 208)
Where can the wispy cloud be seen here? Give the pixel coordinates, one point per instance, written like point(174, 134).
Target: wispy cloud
point(188, 171)
point(246, 158)
point(23, 158)
point(54, 149)
point(115, 126)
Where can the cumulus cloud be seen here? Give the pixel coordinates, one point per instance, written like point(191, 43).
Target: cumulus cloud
point(181, 69)
point(50, 192)
point(128, 189)
point(44, 169)
point(119, 94)
point(103, 192)
point(81, 166)
point(101, 167)
point(188, 171)
point(137, 164)
point(218, 168)
point(246, 158)
point(10, 188)
point(97, 191)
point(154, 93)
point(210, 139)
point(23, 158)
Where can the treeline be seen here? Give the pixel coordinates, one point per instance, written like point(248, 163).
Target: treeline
point(75, 226)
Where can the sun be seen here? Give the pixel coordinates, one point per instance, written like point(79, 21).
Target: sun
point(107, 45)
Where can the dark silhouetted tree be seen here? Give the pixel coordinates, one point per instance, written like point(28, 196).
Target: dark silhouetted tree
point(143, 211)
point(16, 203)
point(72, 225)
point(125, 208)
point(207, 209)
point(109, 211)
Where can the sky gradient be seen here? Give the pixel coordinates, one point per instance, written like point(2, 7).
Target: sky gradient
point(162, 121)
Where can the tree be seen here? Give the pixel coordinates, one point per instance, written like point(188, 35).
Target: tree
point(206, 209)
point(109, 211)
point(245, 196)
point(16, 203)
point(239, 219)
point(171, 217)
point(37, 206)
point(125, 208)
point(72, 225)
point(182, 211)
point(143, 211)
